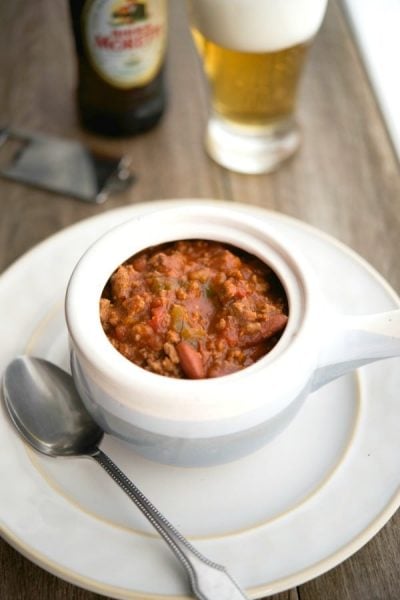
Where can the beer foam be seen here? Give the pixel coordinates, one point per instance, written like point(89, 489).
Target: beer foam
point(257, 25)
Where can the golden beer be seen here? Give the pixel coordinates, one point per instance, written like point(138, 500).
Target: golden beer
point(252, 88)
point(253, 54)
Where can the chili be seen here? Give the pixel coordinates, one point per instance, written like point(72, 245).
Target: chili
point(193, 309)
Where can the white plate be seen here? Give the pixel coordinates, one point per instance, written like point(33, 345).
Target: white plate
point(277, 518)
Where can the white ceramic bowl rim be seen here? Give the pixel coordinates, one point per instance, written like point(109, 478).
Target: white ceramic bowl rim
point(206, 399)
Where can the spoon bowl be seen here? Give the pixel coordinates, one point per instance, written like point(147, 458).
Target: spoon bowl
point(34, 388)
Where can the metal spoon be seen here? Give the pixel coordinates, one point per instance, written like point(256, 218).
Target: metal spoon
point(48, 413)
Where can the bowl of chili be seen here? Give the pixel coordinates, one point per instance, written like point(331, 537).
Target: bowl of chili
point(197, 332)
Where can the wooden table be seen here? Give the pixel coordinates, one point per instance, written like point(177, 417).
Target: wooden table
point(345, 180)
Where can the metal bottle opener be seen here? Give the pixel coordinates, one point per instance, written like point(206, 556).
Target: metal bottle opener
point(62, 166)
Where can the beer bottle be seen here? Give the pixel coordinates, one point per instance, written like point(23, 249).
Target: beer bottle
point(120, 46)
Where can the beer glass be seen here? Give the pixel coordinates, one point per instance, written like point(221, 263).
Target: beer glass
point(253, 54)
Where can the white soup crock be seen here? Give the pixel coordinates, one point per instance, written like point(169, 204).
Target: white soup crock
point(210, 421)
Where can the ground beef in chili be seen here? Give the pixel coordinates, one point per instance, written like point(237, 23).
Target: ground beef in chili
point(193, 309)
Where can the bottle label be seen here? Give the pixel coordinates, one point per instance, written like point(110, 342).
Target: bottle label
point(125, 40)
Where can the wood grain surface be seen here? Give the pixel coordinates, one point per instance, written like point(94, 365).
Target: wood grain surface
point(344, 180)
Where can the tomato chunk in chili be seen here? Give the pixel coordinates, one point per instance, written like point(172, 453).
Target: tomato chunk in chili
point(193, 309)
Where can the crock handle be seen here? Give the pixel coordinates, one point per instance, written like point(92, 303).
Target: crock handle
point(353, 341)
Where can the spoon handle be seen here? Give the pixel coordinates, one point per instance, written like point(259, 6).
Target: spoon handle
point(209, 580)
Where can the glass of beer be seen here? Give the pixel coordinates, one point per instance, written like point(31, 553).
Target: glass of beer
point(253, 54)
